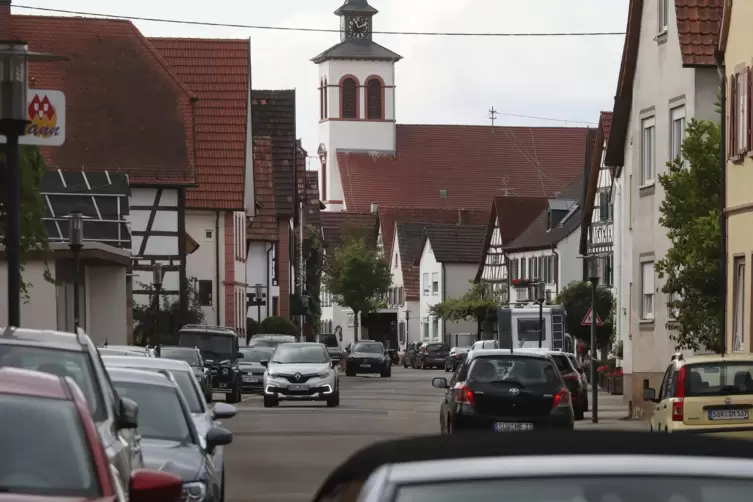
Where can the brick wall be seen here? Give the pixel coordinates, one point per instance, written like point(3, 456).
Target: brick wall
point(283, 266)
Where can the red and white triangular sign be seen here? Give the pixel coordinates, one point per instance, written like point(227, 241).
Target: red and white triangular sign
point(589, 319)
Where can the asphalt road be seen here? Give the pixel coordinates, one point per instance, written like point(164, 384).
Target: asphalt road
point(285, 453)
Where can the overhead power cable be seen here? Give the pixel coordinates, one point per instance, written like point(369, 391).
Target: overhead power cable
point(316, 30)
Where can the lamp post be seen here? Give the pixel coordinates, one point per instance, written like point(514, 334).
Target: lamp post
point(76, 242)
point(14, 56)
point(258, 300)
point(593, 276)
point(157, 282)
point(541, 298)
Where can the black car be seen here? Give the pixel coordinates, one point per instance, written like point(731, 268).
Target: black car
point(431, 355)
point(410, 353)
point(574, 381)
point(252, 369)
point(170, 441)
point(219, 348)
point(193, 357)
point(501, 391)
point(456, 357)
point(331, 341)
point(368, 357)
point(75, 356)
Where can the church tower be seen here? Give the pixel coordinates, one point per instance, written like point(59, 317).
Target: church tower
point(356, 97)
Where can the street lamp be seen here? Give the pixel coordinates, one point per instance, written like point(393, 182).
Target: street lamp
point(14, 56)
point(76, 242)
point(541, 298)
point(593, 275)
point(258, 300)
point(157, 282)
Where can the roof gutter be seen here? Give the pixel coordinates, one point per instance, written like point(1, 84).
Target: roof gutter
point(719, 57)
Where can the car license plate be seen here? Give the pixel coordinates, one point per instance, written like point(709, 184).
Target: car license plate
point(298, 387)
point(251, 379)
point(731, 414)
point(365, 366)
point(512, 427)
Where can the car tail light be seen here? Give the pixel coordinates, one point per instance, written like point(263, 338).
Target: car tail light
point(464, 395)
point(561, 398)
point(678, 404)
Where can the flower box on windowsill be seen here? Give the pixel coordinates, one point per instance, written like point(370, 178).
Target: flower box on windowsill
point(522, 283)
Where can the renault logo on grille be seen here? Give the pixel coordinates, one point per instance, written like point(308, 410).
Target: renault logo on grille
point(514, 391)
point(298, 376)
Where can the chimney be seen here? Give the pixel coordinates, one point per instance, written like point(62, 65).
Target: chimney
point(462, 217)
point(374, 207)
point(6, 33)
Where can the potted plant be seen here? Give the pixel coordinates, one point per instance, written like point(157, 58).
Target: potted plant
point(615, 381)
point(602, 373)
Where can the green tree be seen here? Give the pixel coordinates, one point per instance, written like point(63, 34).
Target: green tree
point(171, 318)
point(576, 299)
point(278, 326)
point(479, 303)
point(33, 233)
point(313, 252)
point(357, 275)
point(690, 212)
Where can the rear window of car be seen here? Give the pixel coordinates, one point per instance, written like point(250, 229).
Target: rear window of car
point(437, 347)
point(518, 370)
point(563, 363)
point(718, 379)
point(329, 340)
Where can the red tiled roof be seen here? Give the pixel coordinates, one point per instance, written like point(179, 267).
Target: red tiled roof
point(263, 226)
point(515, 215)
point(217, 71)
point(126, 110)
point(463, 166)
point(698, 27)
point(390, 215)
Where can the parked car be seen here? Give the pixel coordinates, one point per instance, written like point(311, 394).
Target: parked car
point(301, 372)
point(75, 356)
point(331, 341)
point(252, 369)
point(192, 356)
point(204, 416)
point(573, 379)
point(431, 355)
point(170, 440)
point(410, 353)
point(503, 391)
point(270, 340)
point(219, 348)
point(43, 415)
point(126, 350)
point(455, 358)
point(368, 356)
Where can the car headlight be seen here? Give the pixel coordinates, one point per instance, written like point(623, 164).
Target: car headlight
point(323, 374)
point(272, 375)
point(195, 491)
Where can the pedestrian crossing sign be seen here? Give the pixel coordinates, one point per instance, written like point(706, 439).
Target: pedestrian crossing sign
point(589, 319)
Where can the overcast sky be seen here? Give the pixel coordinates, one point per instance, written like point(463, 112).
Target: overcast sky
point(441, 80)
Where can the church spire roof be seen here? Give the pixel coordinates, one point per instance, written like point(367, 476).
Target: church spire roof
point(356, 7)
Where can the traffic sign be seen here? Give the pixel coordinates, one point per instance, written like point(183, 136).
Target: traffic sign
point(589, 319)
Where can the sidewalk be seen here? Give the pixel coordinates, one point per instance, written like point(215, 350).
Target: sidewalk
point(612, 415)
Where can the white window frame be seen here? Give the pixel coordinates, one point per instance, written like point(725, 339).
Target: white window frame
point(738, 306)
point(662, 16)
point(648, 291)
point(425, 329)
point(435, 328)
point(426, 283)
point(648, 151)
point(435, 283)
point(676, 132)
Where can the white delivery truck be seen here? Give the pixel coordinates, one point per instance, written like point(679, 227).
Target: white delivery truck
point(518, 326)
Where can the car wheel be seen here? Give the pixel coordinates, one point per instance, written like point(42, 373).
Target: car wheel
point(334, 400)
point(270, 401)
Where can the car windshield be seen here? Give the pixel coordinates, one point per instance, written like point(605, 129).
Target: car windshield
point(160, 413)
point(369, 348)
point(718, 379)
point(328, 340)
point(256, 354)
point(185, 382)
point(188, 355)
point(581, 489)
point(294, 353)
point(74, 364)
point(514, 370)
point(437, 347)
point(211, 344)
point(34, 434)
point(267, 343)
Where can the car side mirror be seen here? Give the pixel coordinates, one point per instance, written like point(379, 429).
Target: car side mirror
point(217, 436)
point(128, 414)
point(440, 383)
point(223, 410)
point(154, 486)
point(649, 395)
point(239, 355)
point(264, 363)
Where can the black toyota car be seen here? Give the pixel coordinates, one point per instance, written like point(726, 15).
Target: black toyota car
point(368, 357)
point(497, 390)
point(219, 348)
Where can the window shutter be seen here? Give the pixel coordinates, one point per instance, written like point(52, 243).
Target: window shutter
point(556, 269)
point(742, 143)
point(749, 108)
point(731, 122)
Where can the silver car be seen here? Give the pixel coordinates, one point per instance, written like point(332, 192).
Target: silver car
point(301, 372)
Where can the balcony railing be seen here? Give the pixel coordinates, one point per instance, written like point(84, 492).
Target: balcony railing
point(601, 233)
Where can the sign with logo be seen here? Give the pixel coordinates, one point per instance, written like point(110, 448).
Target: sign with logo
point(46, 118)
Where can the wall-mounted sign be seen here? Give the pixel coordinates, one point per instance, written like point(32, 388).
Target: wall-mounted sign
point(351, 319)
point(46, 118)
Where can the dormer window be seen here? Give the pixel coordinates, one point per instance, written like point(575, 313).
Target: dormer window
point(557, 210)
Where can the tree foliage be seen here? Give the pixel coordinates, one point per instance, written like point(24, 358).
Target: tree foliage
point(279, 326)
point(476, 304)
point(33, 233)
point(576, 299)
point(357, 275)
point(171, 318)
point(691, 214)
point(313, 252)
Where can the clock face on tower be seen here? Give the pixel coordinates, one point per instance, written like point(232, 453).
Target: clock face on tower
point(357, 27)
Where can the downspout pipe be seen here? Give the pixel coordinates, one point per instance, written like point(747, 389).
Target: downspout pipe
point(719, 57)
point(269, 298)
point(218, 301)
point(556, 279)
point(444, 295)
